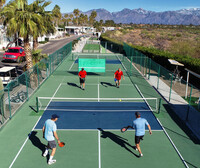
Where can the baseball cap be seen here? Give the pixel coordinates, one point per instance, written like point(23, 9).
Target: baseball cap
point(137, 114)
point(54, 116)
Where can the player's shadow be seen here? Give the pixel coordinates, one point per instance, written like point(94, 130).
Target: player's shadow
point(36, 141)
point(106, 84)
point(73, 84)
point(118, 140)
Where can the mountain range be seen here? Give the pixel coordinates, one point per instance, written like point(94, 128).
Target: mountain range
point(184, 16)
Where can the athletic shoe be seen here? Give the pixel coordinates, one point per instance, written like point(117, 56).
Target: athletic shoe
point(51, 161)
point(134, 147)
point(140, 155)
point(45, 153)
point(83, 88)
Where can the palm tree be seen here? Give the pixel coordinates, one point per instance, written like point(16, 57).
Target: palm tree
point(92, 17)
point(19, 17)
point(56, 14)
point(2, 2)
point(86, 19)
point(76, 13)
point(38, 7)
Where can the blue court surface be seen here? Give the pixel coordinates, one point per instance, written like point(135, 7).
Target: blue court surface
point(94, 115)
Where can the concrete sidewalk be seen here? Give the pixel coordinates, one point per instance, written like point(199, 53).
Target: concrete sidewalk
point(181, 107)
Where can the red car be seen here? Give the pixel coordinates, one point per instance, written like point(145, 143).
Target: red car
point(16, 54)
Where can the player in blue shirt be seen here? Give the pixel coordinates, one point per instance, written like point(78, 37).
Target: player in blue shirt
point(49, 133)
point(139, 126)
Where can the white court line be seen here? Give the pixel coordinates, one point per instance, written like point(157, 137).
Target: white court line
point(181, 157)
point(31, 132)
point(97, 84)
point(72, 110)
point(99, 146)
point(23, 144)
point(144, 98)
point(71, 66)
point(167, 135)
point(96, 130)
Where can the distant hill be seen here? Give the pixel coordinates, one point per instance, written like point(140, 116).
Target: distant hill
point(184, 16)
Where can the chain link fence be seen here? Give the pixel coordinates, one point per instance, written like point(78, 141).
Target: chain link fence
point(183, 96)
point(21, 88)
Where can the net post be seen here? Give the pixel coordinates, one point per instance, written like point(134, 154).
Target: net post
point(37, 105)
point(159, 105)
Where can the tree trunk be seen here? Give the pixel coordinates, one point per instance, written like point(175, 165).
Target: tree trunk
point(35, 43)
point(27, 50)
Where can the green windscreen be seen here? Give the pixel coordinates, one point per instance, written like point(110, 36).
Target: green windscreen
point(92, 65)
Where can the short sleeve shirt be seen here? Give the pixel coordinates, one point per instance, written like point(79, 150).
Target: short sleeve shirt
point(82, 74)
point(118, 75)
point(50, 127)
point(139, 125)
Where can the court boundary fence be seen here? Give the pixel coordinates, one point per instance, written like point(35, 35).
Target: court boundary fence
point(182, 96)
point(18, 91)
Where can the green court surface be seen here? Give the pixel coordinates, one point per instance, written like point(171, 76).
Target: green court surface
point(111, 149)
point(93, 148)
point(91, 47)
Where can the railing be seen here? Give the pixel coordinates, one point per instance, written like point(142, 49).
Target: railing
point(21, 88)
point(183, 96)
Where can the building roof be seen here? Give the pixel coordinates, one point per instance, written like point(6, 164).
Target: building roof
point(174, 62)
point(6, 69)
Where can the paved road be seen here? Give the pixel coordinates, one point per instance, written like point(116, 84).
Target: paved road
point(54, 45)
point(47, 48)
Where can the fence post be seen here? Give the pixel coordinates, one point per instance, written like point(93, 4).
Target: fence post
point(158, 77)
point(149, 68)
point(172, 77)
point(159, 105)
point(9, 101)
point(190, 95)
point(50, 64)
point(2, 106)
point(140, 63)
point(146, 67)
point(188, 110)
point(38, 75)
point(131, 64)
point(27, 98)
point(37, 105)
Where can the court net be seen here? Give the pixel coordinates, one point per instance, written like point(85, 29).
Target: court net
point(93, 42)
point(118, 57)
point(97, 104)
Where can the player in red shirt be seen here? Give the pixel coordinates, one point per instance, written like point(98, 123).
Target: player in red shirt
point(117, 77)
point(82, 75)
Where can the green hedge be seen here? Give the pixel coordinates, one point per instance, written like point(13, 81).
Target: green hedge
point(161, 57)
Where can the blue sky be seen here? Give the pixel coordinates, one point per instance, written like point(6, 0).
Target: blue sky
point(117, 5)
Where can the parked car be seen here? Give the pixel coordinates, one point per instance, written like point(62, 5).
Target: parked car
point(8, 74)
point(16, 54)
